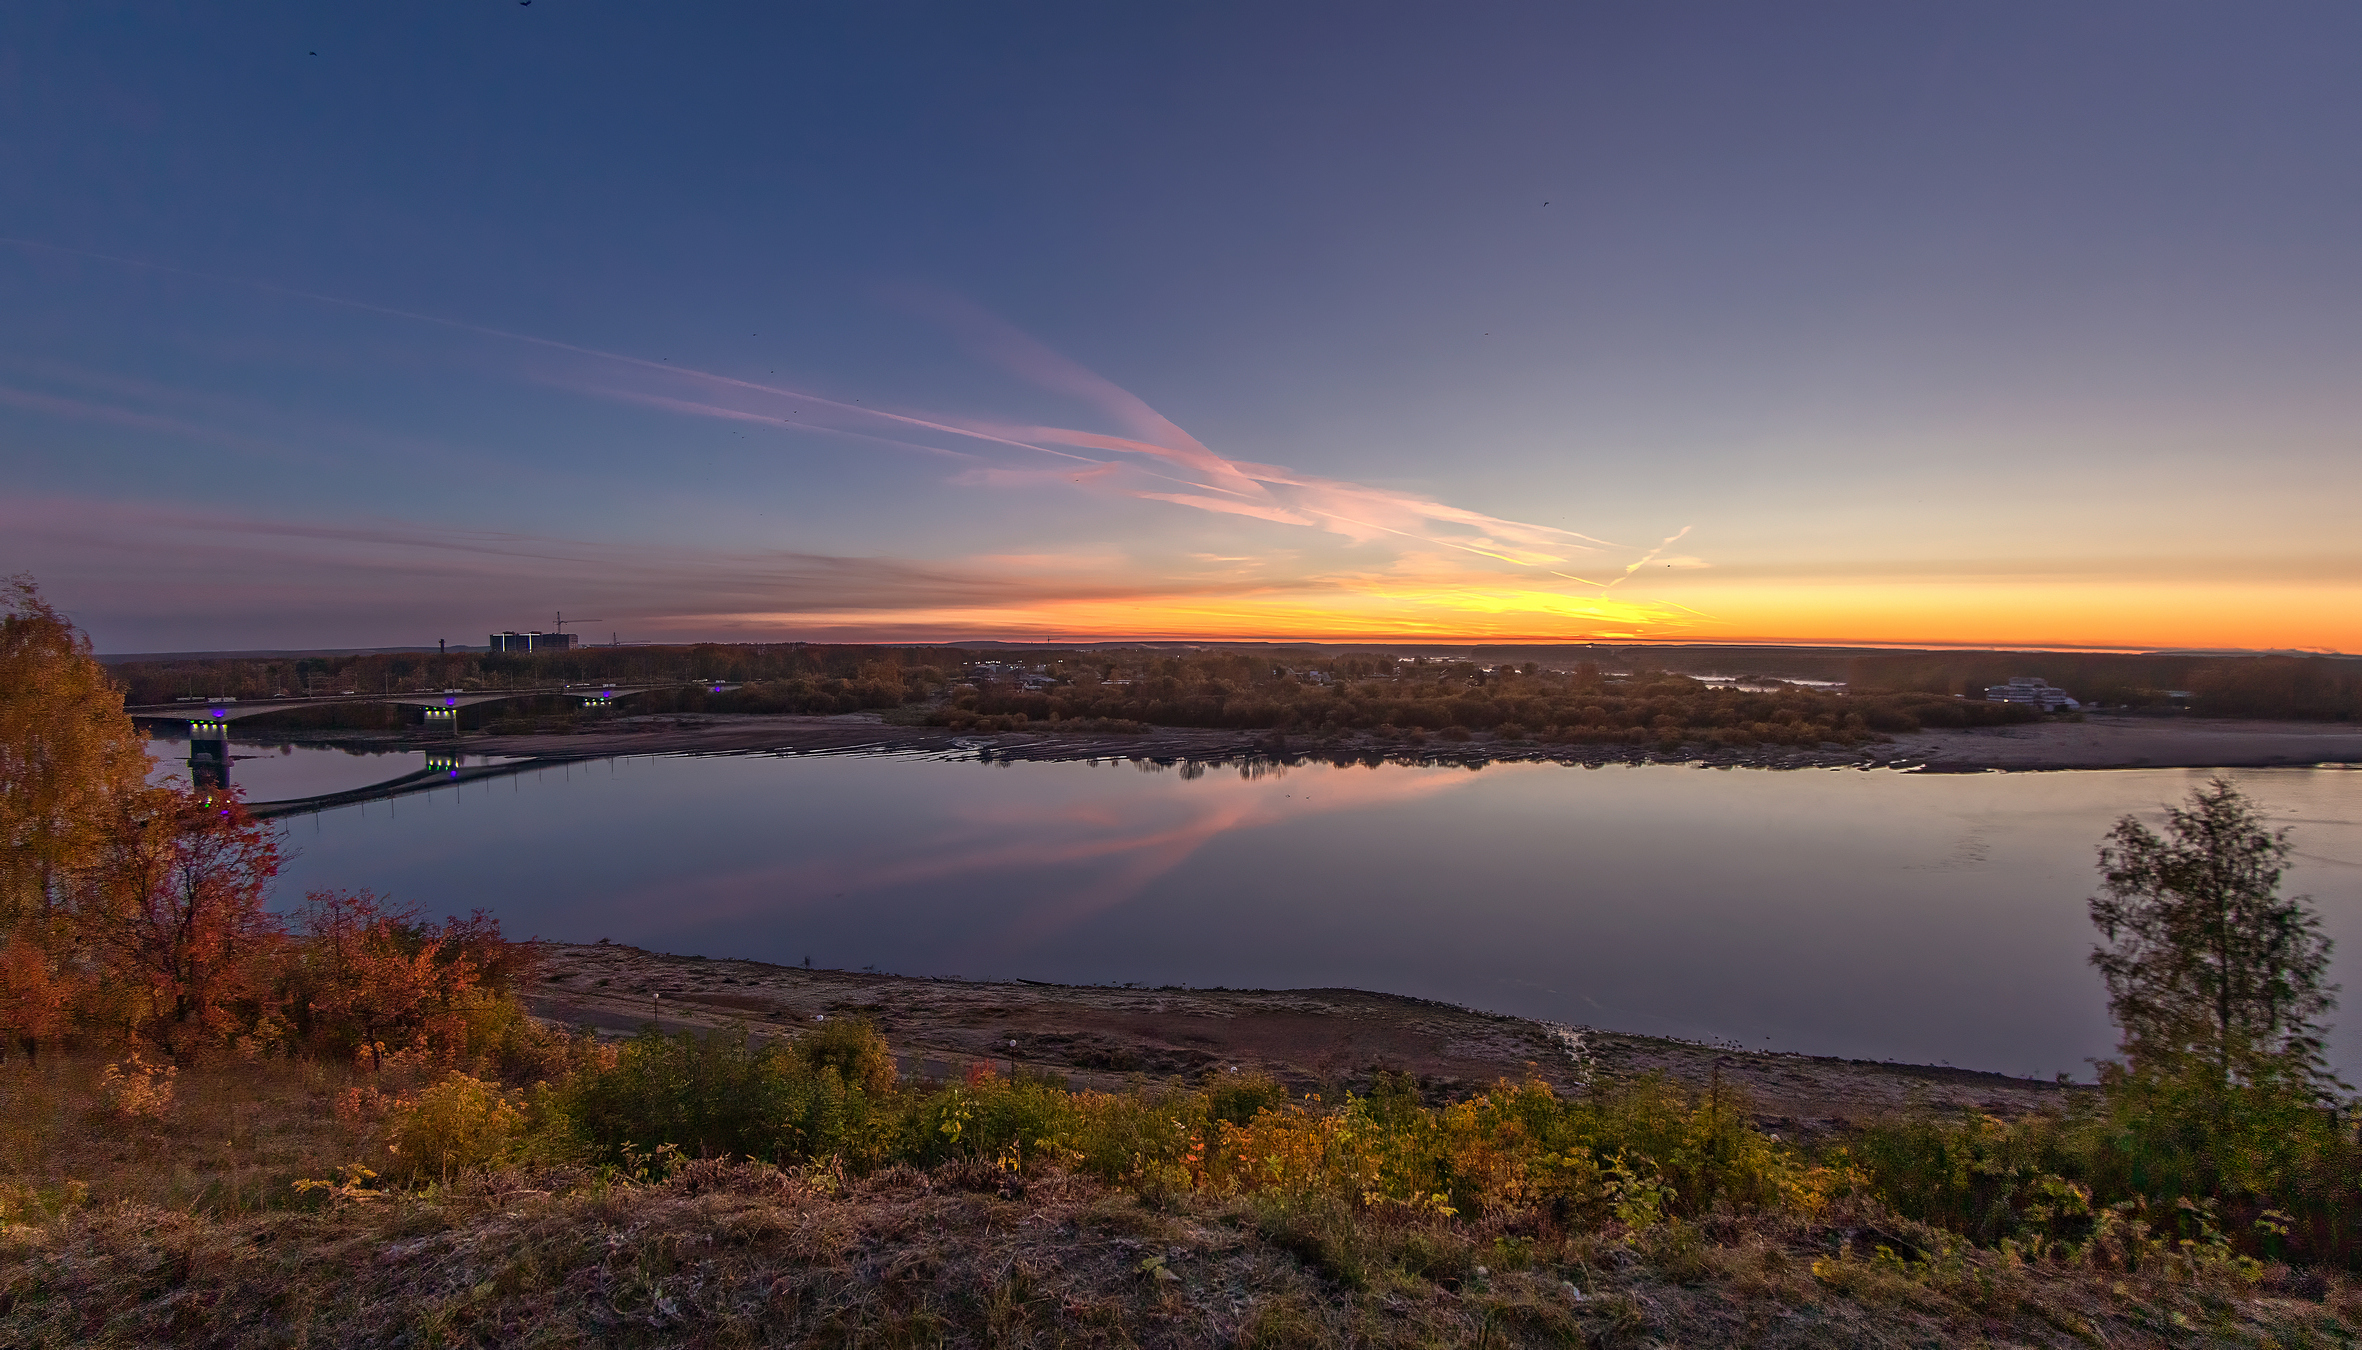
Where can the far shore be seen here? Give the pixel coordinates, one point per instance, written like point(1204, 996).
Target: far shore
point(2100, 742)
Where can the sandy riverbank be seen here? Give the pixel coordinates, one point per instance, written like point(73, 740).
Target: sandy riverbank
point(1320, 1040)
point(2097, 743)
point(2137, 743)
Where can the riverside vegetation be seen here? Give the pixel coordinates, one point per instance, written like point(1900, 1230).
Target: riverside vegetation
point(224, 1126)
point(1504, 694)
point(1308, 696)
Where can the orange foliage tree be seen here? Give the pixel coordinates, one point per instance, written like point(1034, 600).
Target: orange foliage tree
point(67, 753)
point(372, 979)
point(127, 909)
point(173, 917)
point(68, 758)
point(36, 996)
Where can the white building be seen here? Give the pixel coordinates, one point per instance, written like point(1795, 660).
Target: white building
point(2028, 689)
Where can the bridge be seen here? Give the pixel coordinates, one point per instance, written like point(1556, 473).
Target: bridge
point(441, 771)
point(209, 719)
point(230, 709)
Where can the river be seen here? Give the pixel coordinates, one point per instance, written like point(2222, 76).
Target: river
point(1932, 918)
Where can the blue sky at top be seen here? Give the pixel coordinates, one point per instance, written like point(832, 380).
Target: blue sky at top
point(2044, 310)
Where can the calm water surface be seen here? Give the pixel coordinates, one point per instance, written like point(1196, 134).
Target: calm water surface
point(1933, 918)
point(279, 771)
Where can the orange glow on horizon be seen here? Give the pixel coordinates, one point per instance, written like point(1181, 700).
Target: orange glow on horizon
point(2098, 615)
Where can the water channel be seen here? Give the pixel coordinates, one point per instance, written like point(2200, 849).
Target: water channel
point(1932, 918)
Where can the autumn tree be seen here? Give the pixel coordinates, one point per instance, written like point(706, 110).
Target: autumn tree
point(67, 751)
point(370, 979)
point(172, 914)
point(37, 992)
point(68, 758)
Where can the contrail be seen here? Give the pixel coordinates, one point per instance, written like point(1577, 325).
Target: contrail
point(1666, 543)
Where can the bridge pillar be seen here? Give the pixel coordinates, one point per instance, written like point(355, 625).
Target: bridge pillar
point(209, 752)
point(446, 716)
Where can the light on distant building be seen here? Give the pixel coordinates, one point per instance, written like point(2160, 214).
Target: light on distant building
point(2030, 689)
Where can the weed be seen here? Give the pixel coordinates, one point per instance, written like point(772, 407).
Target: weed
point(136, 1090)
point(459, 1125)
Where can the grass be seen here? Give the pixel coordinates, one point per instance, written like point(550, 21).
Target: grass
point(191, 1230)
point(232, 1141)
point(746, 1254)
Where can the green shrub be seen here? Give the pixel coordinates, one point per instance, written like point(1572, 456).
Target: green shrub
point(852, 1047)
point(1979, 1176)
point(1239, 1098)
point(1017, 1120)
point(722, 1096)
point(710, 1096)
point(459, 1125)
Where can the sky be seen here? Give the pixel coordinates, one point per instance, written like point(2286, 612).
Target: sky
point(2022, 324)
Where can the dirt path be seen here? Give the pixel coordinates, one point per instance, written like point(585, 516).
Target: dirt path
point(1318, 1040)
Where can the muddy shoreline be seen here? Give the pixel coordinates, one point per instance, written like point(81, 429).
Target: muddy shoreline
point(1325, 1041)
point(2096, 743)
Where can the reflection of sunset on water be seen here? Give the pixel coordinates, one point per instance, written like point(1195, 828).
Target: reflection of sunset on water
point(1096, 852)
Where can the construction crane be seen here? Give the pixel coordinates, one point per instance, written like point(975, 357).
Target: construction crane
point(562, 620)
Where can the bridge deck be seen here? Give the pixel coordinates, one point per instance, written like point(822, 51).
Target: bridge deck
point(232, 709)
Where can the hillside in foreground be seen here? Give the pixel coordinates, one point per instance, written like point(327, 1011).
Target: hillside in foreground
point(724, 1255)
point(245, 1210)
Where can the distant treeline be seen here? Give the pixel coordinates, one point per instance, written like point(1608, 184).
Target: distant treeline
point(734, 663)
point(1313, 694)
point(1623, 696)
point(2312, 688)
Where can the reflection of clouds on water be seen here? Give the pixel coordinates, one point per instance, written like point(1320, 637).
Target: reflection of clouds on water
point(1120, 843)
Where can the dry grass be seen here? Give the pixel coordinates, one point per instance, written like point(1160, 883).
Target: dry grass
point(745, 1255)
point(231, 1140)
point(189, 1231)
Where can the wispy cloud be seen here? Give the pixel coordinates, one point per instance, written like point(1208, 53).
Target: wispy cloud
point(218, 572)
point(1305, 554)
point(1154, 459)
